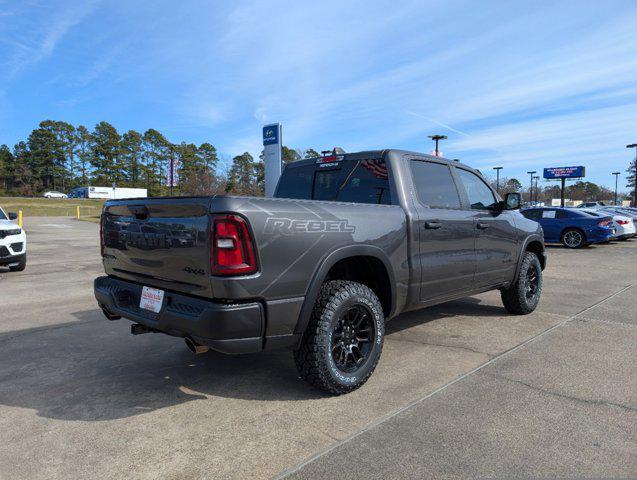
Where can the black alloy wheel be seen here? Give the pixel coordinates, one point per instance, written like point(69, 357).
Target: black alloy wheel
point(353, 338)
point(532, 282)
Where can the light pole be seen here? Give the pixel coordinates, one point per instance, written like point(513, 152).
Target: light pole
point(497, 178)
point(531, 189)
point(634, 145)
point(616, 176)
point(437, 138)
point(537, 192)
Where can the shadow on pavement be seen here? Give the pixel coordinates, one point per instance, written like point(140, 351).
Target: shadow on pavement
point(94, 370)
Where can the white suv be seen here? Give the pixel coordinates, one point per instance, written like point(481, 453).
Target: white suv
point(13, 243)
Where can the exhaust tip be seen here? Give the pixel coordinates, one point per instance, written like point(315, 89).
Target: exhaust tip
point(195, 347)
point(109, 315)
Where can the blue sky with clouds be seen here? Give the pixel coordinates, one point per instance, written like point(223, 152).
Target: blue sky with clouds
point(524, 85)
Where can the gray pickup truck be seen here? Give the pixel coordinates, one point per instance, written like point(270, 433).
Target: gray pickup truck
point(348, 242)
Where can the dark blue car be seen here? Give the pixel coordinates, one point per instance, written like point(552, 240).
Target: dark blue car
point(571, 227)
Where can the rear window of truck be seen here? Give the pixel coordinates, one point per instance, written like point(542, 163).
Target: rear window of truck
point(362, 181)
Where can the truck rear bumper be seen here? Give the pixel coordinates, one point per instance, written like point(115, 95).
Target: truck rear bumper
point(227, 328)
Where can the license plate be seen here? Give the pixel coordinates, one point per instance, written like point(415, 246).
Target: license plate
point(152, 299)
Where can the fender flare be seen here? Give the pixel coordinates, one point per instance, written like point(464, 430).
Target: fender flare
point(324, 267)
point(527, 240)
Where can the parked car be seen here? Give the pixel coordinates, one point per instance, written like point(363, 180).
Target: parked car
point(623, 225)
point(591, 204)
point(54, 194)
point(571, 227)
point(349, 242)
point(13, 243)
point(627, 211)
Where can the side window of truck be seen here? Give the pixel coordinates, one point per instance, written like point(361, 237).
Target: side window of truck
point(368, 183)
point(480, 195)
point(434, 184)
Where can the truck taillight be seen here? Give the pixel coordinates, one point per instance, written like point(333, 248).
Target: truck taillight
point(232, 252)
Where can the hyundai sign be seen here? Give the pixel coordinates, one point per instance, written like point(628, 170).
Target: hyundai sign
point(272, 156)
point(271, 134)
point(564, 172)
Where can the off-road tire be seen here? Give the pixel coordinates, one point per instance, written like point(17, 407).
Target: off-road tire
point(515, 298)
point(577, 231)
point(20, 266)
point(314, 359)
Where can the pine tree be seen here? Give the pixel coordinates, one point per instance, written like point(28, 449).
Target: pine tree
point(631, 179)
point(208, 154)
point(46, 154)
point(62, 151)
point(108, 167)
point(242, 178)
point(25, 181)
point(289, 155)
point(133, 153)
point(6, 167)
point(157, 153)
point(311, 153)
point(83, 150)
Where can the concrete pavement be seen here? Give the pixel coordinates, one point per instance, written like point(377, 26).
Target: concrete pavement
point(80, 396)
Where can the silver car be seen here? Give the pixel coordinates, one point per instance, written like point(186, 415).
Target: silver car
point(624, 226)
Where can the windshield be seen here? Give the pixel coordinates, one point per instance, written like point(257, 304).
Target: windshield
point(3, 215)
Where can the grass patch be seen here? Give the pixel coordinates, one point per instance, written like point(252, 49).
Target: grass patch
point(52, 207)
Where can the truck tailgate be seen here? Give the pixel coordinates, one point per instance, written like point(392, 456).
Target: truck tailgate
point(161, 242)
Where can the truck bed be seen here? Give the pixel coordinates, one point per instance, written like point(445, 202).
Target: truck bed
point(165, 242)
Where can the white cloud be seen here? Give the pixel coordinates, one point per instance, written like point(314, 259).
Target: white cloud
point(38, 37)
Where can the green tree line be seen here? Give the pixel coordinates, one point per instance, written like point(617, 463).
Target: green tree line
point(545, 191)
point(60, 156)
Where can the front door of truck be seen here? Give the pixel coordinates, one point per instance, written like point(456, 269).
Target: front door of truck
point(446, 232)
point(496, 234)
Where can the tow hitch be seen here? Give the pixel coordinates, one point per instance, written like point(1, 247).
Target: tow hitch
point(139, 329)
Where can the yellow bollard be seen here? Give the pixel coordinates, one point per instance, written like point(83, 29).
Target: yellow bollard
point(78, 212)
point(20, 218)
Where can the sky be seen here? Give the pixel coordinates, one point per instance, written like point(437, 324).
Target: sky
point(518, 84)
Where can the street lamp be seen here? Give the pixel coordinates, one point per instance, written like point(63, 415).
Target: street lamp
point(616, 176)
point(497, 178)
point(634, 145)
point(537, 192)
point(531, 189)
point(437, 138)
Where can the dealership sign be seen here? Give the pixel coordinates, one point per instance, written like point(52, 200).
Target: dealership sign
point(564, 172)
point(272, 156)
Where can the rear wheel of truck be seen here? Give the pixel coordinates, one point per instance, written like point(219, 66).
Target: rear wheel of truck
point(523, 295)
point(344, 339)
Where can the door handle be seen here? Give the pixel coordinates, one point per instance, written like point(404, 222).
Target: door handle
point(482, 226)
point(433, 225)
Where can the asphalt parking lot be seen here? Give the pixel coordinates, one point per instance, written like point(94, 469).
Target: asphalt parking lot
point(462, 389)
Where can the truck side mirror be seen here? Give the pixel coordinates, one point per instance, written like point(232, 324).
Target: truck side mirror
point(512, 201)
point(13, 216)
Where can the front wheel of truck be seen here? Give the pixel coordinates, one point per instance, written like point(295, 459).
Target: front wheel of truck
point(344, 339)
point(523, 296)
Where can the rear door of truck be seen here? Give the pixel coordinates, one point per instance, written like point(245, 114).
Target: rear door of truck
point(159, 242)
